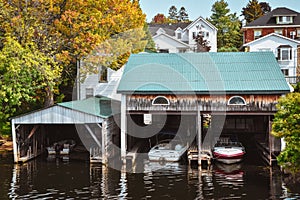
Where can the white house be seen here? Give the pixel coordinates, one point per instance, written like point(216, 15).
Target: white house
point(285, 49)
point(104, 83)
point(179, 37)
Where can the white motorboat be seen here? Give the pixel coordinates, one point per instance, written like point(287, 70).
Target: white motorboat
point(167, 151)
point(227, 151)
point(62, 147)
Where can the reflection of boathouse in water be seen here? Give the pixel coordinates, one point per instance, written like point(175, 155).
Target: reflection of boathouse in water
point(197, 96)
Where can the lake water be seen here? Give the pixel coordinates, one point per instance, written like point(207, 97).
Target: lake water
point(58, 179)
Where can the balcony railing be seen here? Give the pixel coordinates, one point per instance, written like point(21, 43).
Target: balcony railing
point(292, 79)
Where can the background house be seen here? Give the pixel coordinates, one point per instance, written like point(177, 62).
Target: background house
point(286, 51)
point(282, 21)
point(179, 37)
point(277, 31)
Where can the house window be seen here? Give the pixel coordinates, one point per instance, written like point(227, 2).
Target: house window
point(103, 75)
point(236, 100)
point(194, 34)
point(257, 34)
point(284, 19)
point(278, 31)
point(181, 50)
point(160, 100)
point(285, 72)
point(164, 51)
point(284, 53)
point(207, 34)
point(298, 32)
point(179, 36)
point(89, 92)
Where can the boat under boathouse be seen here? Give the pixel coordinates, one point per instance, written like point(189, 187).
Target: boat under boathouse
point(200, 96)
point(90, 122)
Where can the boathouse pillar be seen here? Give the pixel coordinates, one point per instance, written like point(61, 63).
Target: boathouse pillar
point(123, 128)
point(199, 134)
point(14, 137)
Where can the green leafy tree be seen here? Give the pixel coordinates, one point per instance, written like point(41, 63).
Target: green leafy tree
point(24, 73)
point(286, 124)
point(253, 10)
point(229, 34)
point(183, 15)
point(173, 13)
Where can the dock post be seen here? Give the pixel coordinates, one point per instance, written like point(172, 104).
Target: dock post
point(14, 137)
point(199, 127)
point(123, 128)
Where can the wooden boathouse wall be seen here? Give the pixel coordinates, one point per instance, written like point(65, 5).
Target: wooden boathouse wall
point(206, 103)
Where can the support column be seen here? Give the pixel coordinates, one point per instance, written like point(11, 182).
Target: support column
point(199, 130)
point(104, 142)
point(14, 137)
point(123, 128)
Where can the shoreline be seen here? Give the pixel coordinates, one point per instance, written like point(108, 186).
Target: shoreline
point(6, 147)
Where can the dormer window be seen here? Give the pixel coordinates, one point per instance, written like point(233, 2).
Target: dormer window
point(236, 100)
point(179, 36)
point(160, 101)
point(284, 19)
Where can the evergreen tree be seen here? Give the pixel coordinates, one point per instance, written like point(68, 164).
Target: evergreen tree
point(265, 7)
point(173, 13)
point(229, 34)
point(252, 11)
point(183, 15)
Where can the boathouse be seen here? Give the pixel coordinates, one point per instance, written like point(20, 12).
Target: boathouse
point(90, 122)
point(200, 96)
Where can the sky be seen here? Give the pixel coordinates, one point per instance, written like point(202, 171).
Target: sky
point(196, 8)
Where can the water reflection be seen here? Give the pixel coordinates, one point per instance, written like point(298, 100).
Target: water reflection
point(56, 179)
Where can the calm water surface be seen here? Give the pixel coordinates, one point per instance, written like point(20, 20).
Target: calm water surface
point(57, 179)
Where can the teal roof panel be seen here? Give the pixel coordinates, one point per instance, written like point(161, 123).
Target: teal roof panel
point(98, 106)
point(236, 72)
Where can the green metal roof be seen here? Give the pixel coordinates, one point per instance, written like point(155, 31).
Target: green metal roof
point(230, 72)
point(98, 106)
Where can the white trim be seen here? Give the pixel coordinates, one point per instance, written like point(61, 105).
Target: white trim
point(154, 104)
point(270, 35)
point(230, 104)
point(176, 40)
point(273, 26)
point(198, 19)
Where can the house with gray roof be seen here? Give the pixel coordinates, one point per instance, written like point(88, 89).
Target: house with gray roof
point(179, 37)
point(282, 21)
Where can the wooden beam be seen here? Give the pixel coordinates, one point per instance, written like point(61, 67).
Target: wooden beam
point(33, 131)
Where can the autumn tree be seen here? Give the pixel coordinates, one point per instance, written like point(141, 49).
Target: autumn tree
point(253, 10)
point(229, 34)
point(159, 19)
point(68, 30)
point(59, 33)
point(286, 125)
